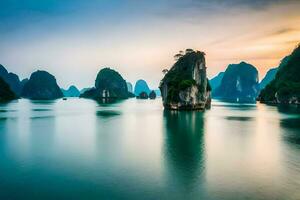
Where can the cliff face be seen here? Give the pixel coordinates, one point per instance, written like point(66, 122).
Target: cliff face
point(108, 84)
point(185, 85)
point(239, 83)
point(41, 86)
point(285, 88)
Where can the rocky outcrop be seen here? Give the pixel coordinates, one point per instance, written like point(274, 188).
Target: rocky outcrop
point(239, 84)
point(270, 76)
point(6, 94)
point(12, 80)
point(141, 86)
point(109, 84)
point(185, 86)
point(152, 95)
point(285, 88)
point(41, 86)
point(72, 91)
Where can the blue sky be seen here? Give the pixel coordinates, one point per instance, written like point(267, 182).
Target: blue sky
point(74, 39)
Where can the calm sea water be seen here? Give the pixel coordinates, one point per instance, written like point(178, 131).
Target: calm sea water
point(80, 149)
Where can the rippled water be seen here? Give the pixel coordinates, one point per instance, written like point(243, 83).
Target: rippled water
point(79, 149)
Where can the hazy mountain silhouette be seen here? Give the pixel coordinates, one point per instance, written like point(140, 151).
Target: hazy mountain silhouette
point(239, 83)
point(72, 91)
point(216, 81)
point(109, 84)
point(12, 80)
point(41, 85)
point(268, 78)
point(141, 86)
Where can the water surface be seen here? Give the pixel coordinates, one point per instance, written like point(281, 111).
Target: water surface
point(133, 149)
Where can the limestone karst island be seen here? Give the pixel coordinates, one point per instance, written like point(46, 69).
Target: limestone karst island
point(150, 100)
point(185, 85)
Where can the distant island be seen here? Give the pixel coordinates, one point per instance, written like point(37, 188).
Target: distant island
point(152, 95)
point(72, 91)
point(41, 86)
point(12, 80)
point(185, 86)
point(239, 83)
point(141, 86)
point(109, 84)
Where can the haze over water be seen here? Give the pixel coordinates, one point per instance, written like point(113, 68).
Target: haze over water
point(133, 149)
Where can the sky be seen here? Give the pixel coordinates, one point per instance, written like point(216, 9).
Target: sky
point(74, 39)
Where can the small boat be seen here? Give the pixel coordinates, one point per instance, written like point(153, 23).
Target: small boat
point(65, 98)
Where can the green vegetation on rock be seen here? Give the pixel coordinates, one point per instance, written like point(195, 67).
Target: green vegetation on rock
point(180, 76)
point(185, 85)
point(285, 88)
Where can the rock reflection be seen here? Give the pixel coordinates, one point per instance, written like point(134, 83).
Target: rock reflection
point(184, 149)
point(107, 113)
point(289, 109)
point(107, 101)
point(43, 102)
point(291, 124)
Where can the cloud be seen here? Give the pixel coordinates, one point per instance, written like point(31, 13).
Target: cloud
point(285, 30)
point(75, 37)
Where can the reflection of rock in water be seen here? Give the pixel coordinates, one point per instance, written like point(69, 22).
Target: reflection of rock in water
point(289, 109)
point(290, 124)
point(107, 113)
point(184, 149)
point(106, 101)
point(43, 102)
